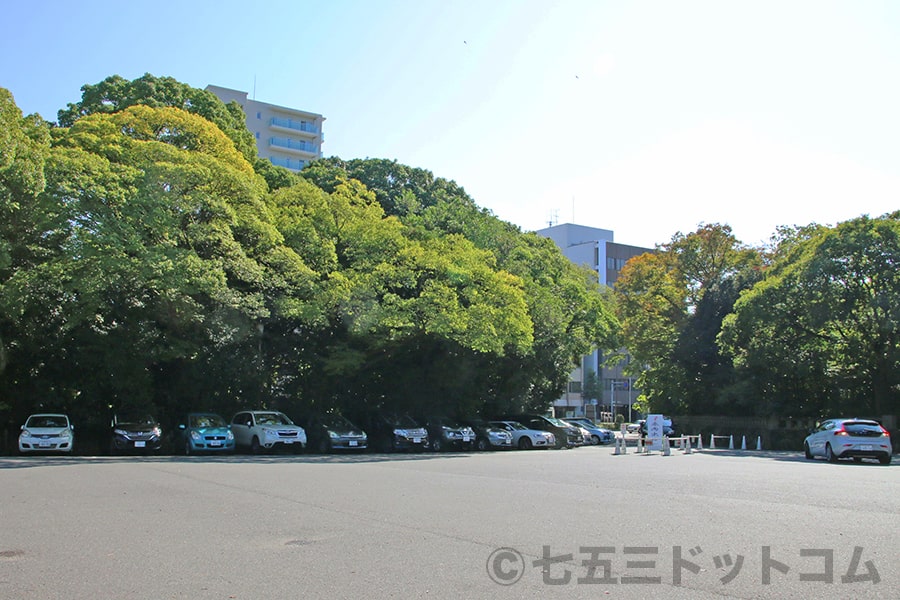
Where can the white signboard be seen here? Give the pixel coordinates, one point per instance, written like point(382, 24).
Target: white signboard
point(655, 431)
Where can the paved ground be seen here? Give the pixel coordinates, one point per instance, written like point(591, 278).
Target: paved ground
point(705, 525)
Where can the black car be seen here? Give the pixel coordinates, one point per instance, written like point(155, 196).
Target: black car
point(134, 431)
point(329, 432)
point(488, 436)
point(391, 432)
point(448, 434)
point(567, 436)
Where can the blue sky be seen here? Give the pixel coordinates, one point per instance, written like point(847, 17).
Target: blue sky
point(646, 118)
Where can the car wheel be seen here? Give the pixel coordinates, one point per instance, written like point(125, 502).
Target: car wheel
point(437, 445)
point(187, 448)
point(807, 451)
point(829, 454)
point(482, 444)
point(885, 459)
point(595, 440)
point(524, 443)
point(324, 446)
point(255, 448)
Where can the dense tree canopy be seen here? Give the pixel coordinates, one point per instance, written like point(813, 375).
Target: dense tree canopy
point(821, 332)
point(148, 258)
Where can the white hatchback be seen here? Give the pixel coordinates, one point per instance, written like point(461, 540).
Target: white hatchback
point(46, 433)
point(849, 438)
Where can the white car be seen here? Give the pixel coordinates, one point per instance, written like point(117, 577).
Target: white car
point(46, 433)
point(266, 429)
point(524, 438)
point(849, 438)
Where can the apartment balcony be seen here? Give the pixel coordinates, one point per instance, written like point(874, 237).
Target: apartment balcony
point(295, 127)
point(296, 147)
point(288, 163)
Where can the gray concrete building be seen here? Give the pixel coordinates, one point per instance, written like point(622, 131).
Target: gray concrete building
point(288, 137)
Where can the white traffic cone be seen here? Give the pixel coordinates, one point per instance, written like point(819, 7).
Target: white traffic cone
point(617, 451)
point(687, 445)
point(699, 442)
point(743, 442)
point(712, 442)
point(666, 449)
point(731, 442)
point(759, 442)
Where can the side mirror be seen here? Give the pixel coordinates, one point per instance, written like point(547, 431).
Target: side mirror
point(72, 427)
point(249, 423)
point(181, 426)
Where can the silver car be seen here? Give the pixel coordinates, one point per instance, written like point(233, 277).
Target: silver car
point(849, 438)
point(46, 433)
point(524, 438)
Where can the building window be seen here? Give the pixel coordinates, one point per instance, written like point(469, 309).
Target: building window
point(259, 115)
point(574, 387)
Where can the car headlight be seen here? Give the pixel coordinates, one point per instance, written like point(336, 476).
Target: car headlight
point(333, 434)
point(195, 435)
point(229, 435)
point(157, 431)
point(270, 433)
point(65, 433)
point(120, 432)
point(25, 433)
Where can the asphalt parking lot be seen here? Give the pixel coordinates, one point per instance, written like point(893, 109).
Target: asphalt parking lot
point(571, 523)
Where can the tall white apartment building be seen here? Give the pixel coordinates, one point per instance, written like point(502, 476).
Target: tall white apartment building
point(288, 137)
point(595, 248)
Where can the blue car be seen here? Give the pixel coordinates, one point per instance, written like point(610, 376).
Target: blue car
point(206, 432)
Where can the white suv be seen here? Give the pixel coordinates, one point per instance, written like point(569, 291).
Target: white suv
point(258, 429)
point(849, 438)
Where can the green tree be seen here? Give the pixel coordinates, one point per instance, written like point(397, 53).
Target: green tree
point(819, 334)
point(671, 304)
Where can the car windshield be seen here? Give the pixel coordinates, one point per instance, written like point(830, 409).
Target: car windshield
point(204, 421)
point(274, 418)
point(135, 417)
point(401, 421)
point(46, 421)
point(862, 428)
point(336, 422)
point(513, 425)
point(558, 422)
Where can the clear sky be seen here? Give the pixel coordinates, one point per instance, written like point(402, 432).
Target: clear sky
point(646, 117)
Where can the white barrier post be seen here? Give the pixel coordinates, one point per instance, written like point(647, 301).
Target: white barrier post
point(617, 452)
point(731, 442)
point(640, 445)
point(666, 449)
point(743, 442)
point(759, 442)
point(687, 447)
point(699, 442)
point(712, 442)
point(624, 445)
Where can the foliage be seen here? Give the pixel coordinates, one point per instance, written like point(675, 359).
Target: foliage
point(819, 334)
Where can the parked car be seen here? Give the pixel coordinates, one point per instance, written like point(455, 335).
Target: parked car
point(596, 434)
point(849, 438)
point(390, 432)
point(448, 434)
point(327, 432)
point(259, 430)
point(47, 432)
point(567, 436)
point(135, 431)
point(524, 438)
point(488, 436)
point(205, 432)
point(668, 428)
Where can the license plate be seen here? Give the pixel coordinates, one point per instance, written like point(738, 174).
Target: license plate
point(215, 444)
point(465, 438)
point(417, 440)
point(140, 444)
point(288, 441)
point(44, 444)
point(866, 447)
point(352, 442)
